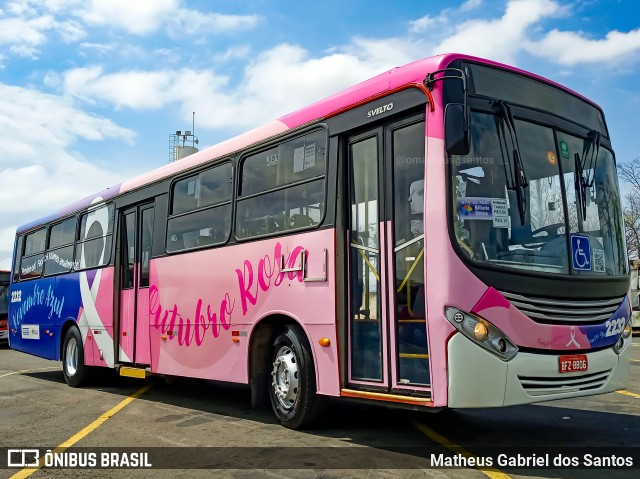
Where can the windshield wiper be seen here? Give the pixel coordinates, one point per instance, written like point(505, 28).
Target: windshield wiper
point(592, 145)
point(516, 177)
point(581, 193)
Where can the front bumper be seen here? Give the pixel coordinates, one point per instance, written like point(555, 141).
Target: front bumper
point(477, 378)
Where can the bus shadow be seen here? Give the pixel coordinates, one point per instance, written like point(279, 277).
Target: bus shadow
point(393, 433)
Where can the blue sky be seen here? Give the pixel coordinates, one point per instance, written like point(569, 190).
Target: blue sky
point(91, 89)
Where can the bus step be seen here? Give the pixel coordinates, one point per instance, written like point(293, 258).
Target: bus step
point(133, 372)
point(421, 401)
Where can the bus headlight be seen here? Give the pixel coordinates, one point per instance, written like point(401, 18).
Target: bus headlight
point(481, 332)
point(619, 346)
point(626, 332)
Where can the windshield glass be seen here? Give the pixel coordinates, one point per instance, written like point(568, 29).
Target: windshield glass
point(492, 226)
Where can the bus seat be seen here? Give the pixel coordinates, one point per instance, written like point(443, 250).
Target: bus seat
point(300, 221)
point(176, 243)
point(204, 240)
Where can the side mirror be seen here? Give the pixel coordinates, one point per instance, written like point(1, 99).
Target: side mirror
point(456, 130)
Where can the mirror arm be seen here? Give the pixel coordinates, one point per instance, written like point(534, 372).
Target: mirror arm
point(430, 80)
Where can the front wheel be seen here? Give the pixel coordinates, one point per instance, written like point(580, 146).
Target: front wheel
point(73, 367)
point(293, 384)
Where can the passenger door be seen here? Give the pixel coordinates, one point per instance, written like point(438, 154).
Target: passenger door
point(387, 330)
point(136, 228)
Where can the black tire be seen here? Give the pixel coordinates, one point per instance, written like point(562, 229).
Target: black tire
point(292, 380)
point(73, 367)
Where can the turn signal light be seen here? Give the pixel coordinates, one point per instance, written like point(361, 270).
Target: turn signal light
point(324, 342)
point(480, 331)
point(627, 330)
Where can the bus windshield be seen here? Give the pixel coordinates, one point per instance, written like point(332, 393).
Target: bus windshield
point(567, 203)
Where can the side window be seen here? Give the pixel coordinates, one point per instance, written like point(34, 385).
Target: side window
point(146, 242)
point(129, 246)
point(93, 248)
point(59, 256)
point(32, 259)
point(16, 258)
point(201, 209)
point(283, 188)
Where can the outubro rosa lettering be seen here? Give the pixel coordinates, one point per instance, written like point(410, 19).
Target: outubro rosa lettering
point(252, 281)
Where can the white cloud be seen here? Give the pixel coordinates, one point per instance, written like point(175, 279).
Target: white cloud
point(470, 5)
point(286, 77)
point(137, 90)
point(26, 25)
point(276, 82)
point(7, 238)
point(379, 54)
point(101, 48)
point(443, 19)
point(502, 38)
point(424, 23)
point(520, 29)
point(29, 31)
point(239, 51)
point(192, 22)
point(71, 31)
point(135, 16)
point(20, 7)
point(142, 17)
point(38, 174)
point(572, 48)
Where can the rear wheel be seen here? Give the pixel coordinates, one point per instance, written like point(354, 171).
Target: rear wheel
point(292, 387)
point(73, 366)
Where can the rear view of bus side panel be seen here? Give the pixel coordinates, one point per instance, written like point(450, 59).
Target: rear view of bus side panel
point(40, 309)
point(65, 279)
point(37, 311)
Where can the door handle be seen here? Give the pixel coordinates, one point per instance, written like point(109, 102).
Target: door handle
point(300, 266)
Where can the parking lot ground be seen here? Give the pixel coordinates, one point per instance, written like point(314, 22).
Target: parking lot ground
point(37, 409)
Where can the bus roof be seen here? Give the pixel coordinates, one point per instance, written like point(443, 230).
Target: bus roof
point(414, 72)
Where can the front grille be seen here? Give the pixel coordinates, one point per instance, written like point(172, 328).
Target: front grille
point(546, 310)
point(541, 386)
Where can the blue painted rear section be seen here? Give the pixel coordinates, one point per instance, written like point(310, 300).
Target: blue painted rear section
point(45, 304)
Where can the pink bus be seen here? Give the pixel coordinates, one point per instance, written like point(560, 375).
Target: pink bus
point(445, 234)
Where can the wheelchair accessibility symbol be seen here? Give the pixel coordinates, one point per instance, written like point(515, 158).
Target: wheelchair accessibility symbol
point(581, 253)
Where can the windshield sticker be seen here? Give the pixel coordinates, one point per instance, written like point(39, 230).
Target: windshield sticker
point(598, 260)
point(471, 208)
point(580, 253)
point(492, 209)
point(551, 157)
point(500, 212)
point(564, 150)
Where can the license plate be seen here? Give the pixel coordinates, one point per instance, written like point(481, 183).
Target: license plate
point(573, 363)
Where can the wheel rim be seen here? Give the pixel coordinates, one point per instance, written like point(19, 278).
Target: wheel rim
point(71, 357)
point(285, 378)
